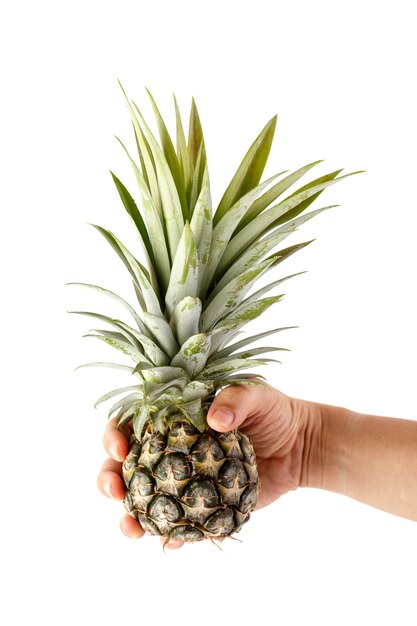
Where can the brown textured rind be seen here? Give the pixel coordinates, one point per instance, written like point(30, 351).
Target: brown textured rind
point(189, 485)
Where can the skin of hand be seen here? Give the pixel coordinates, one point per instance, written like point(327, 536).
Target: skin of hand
point(284, 432)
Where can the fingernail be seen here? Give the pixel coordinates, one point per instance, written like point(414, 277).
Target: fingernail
point(107, 489)
point(225, 417)
point(113, 452)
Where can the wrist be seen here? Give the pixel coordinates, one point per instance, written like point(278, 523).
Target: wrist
point(326, 434)
point(313, 429)
point(335, 443)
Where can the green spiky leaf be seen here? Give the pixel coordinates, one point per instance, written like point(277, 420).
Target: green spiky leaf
point(116, 392)
point(184, 275)
point(224, 230)
point(193, 354)
point(184, 157)
point(249, 171)
point(132, 210)
point(107, 364)
point(194, 413)
point(195, 136)
point(170, 156)
point(156, 231)
point(273, 193)
point(141, 417)
point(229, 298)
point(269, 218)
point(185, 319)
point(171, 205)
point(162, 332)
point(113, 295)
point(229, 366)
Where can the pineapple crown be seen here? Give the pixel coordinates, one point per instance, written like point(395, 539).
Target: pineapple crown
point(199, 267)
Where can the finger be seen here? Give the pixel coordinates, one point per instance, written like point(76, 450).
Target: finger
point(172, 544)
point(109, 480)
point(235, 403)
point(131, 527)
point(115, 442)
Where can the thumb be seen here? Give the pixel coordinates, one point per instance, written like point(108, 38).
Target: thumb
point(233, 405)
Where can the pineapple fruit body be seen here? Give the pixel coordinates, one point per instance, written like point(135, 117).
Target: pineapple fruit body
point(193, 290)
point(190, 485)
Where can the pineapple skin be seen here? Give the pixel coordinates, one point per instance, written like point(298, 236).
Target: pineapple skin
point(189, 485)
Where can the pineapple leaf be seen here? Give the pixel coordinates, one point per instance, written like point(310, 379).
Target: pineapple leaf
point(150, 348)
point(182, 150)
point(195, 135)
point(122, 346)
point(116, 392)
point(268, 219)
point(246, 313)
point(225, 330)
point(145, 155)
point(128, 336)
point(126, 406)
point(245, 354)
point(322, 179)
point(149, 180)
point(146, 294)
point(259, 249)
point(132, 210)
point(162, 332)
point(224, 230)
point(193, 354)
point(240, 379)
point(141, 417)
point(170, 156)
point(124, 417)
point(110, 334)
point(220, 337)
point(194, 413)
point(116, 366)
point(171, 205)
point(202, 225)
point(137, 339)
point(257, 294)
point(232, 295)
point(184, 275)
point(249, 171)
point(272, 194)
point(196, 389)
point(111, 239)
point(178, 383)
point(162, 374)
point(160, 420)
point(185, 319)
point(283, 254)
point(216, 370)
point(197, 178)
point(170, 397)
point(113, 295)
point(156, 230)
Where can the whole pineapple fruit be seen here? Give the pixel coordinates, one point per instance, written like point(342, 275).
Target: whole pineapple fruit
point(184, 480)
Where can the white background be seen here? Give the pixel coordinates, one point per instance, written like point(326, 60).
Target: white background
point(341, 77)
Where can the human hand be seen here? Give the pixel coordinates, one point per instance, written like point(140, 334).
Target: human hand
point(282, 431)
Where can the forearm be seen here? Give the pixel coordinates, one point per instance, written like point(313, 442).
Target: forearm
point(371, 459)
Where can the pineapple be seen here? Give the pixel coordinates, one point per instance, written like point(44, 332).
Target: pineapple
point(184, 480)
